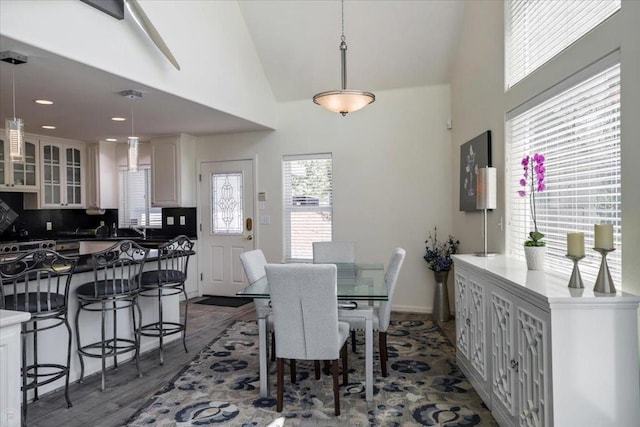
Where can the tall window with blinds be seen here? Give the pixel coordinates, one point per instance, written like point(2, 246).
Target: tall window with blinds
point(135, 200)
point(577, 129)
point(308, 203)
point(536, 31)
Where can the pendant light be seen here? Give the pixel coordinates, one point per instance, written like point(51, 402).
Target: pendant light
point(14, 128)
point(345, 100)
point(132, 151)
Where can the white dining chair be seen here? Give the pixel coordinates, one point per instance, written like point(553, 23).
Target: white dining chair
point(382, 313)
point(337, 252)
point(304, 300)
point(254, 263)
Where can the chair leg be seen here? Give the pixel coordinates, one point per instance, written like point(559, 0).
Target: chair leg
point(383, 352)
point(68, 369)
point(273, 346)
point(78, 342)
point(24, 374)
point(353, 341)
point(103, 345)
point(186, 316)
point(115, 335)
point(316, 365)
point(160, 326)
point(293, 370)
point(336, 388)
point(280, 380)
point(345, 364)
point(35, 361)
point(137, 333)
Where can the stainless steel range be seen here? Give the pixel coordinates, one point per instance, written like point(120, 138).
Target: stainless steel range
point(15, 247)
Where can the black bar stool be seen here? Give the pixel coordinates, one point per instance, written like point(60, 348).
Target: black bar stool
point(115, 287)
point(168, 279)
point(38, 282)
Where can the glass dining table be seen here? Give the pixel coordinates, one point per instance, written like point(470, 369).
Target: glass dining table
point(359, 282)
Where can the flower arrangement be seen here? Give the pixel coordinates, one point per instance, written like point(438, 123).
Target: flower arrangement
point(533, 178)
point(438, 254)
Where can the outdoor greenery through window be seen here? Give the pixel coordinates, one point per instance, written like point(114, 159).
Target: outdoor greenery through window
point(576, 126)
point(536, 31)
point(308, 203)
point(135, 200)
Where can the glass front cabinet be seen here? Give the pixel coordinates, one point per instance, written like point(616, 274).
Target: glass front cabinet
point(20, 175)
point(63, 175)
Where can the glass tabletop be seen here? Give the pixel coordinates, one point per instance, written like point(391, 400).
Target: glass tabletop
point(356, 282)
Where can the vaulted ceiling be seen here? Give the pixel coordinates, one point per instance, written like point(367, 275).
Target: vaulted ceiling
point(392, 44)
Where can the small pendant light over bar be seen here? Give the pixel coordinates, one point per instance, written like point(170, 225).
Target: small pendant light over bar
point(132, 153)
point(345, 100)
point(14, 128)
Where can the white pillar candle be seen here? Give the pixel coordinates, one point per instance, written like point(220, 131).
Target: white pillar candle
point(603, 236)
point(575, 244)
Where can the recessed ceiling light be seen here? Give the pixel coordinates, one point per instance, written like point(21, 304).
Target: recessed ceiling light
point(111, 140)
point(43, 102)
point(48, 127)
point(118, 119)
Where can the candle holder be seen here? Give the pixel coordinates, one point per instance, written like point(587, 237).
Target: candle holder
point(576, 279)
point(604, 282)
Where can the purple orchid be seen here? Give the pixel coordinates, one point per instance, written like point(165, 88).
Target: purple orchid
point(533, 177)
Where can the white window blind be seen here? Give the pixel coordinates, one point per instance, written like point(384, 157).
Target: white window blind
point(578, 132)
point(536, 31)
point(135, 200)
point(308, 203)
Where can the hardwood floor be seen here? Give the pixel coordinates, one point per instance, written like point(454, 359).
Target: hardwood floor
point(125, 393)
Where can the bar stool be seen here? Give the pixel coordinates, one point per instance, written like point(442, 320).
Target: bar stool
point(38, 282)
point(168, 279)
point(115, 287)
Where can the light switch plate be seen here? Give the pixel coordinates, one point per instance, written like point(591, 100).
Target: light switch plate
point(183, 220)
point(169, 220)
point(265, 219)
point(49, 226)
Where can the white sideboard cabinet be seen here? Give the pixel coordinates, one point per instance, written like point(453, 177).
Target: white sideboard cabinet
point(541, 354)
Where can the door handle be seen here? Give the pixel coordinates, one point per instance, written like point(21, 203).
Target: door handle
point(249, 224)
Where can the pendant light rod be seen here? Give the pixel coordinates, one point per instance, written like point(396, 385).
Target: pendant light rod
point(14, 129)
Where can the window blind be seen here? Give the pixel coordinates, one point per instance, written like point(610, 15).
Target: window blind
point(536, 31)
point(135, 202)
point(308, 203)
point(578, 132)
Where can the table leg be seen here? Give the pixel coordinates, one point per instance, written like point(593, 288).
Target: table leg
point(369, 357)
point(264, 363)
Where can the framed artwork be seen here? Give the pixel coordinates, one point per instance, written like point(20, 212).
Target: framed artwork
point(474, 154)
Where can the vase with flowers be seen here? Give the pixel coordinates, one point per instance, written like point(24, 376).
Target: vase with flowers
point(532, 182)
point(438, 258)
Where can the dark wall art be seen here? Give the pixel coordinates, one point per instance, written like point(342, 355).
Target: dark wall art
point(474, 154)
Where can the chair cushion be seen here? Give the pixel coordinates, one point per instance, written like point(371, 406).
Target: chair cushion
point(106, 288)
point(51, 302)
point(161, 277)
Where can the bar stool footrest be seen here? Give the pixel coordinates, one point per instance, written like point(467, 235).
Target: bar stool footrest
point(168, 328)
point(56, 372)
point(112, 346)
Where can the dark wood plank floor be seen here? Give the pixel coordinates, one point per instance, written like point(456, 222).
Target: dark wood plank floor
point(125, 393)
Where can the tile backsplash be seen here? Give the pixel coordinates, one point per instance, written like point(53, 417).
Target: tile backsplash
point(33, 223)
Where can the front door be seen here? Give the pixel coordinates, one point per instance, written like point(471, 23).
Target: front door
point(227, 195)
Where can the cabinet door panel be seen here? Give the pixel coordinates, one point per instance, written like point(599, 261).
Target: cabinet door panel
point(477, 335)
point(532, 375)
point(503, 363)
point(462, 328)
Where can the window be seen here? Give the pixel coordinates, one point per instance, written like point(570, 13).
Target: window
point(135, 200)
point(308, 203)
point(536, 31)
point(576, 126)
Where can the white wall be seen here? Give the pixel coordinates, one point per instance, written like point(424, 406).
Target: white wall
point(479, 102)
point(391, 174)
point(220, 67)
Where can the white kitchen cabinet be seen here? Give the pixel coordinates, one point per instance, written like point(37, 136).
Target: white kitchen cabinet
point(102, 176)
point(10, 361)
point(558, 356)
point(173, 171)
point(62, 174)
point(20, 176)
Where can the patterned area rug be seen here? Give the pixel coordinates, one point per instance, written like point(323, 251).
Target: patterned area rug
point(221, 387)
